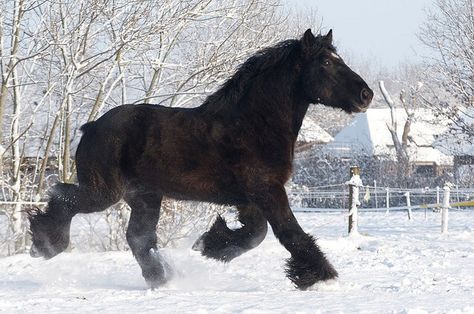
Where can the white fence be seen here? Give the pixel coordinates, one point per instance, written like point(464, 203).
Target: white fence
point(374, 198)
point(346, 198)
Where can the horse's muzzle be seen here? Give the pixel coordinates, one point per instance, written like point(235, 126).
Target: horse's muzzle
point(366, 95)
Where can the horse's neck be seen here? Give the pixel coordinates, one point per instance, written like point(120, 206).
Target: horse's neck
point(272, 96)
point(287, 106)
point(298, 115)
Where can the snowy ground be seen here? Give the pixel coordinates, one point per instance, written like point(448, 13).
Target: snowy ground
point(395, 266)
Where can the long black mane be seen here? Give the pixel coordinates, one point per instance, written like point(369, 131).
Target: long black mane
point(230, 93)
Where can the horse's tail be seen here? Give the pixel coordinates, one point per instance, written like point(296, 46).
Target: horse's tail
point(50, 228)
point(88, 126)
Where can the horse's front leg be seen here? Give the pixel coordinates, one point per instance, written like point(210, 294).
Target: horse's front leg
point(307, 264)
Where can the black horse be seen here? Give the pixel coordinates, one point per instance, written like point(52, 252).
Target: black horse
point(236, 148)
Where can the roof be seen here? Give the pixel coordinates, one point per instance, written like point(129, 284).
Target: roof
point(311, 132)
point(368, 135)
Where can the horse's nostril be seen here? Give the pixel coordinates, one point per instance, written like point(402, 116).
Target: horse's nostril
point(366, 95)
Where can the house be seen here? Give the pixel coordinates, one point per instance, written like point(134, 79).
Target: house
point(311, 134)
point(368, 136)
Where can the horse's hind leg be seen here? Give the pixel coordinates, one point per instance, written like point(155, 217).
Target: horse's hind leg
point(224, 244)
point(141, 236)
point(50, 229)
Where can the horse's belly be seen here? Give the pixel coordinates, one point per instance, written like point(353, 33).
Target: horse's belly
point(204, 189)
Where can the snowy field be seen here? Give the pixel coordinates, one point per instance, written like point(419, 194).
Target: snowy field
point(395, 266)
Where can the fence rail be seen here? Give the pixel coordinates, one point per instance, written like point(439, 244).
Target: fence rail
point(23, 203)
point(337, 197)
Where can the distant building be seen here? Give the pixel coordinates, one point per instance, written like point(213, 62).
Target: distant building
point(311, 134)
point(368, 136)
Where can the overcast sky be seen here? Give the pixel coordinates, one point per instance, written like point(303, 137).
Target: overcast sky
point(382, 31)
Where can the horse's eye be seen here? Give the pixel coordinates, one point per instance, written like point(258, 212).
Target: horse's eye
point(326, 62)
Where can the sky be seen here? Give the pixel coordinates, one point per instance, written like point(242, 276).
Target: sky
point(372, 30)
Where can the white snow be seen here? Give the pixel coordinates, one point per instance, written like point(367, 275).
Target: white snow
point(393, 266)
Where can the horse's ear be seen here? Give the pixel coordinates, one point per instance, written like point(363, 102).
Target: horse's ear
point(328, 37)
point(308, 41)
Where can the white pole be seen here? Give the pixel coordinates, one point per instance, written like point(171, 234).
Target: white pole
point(354, 183)
point(375, 194)
point(407, 195)
point(457, 195)
point(445, 209)
point(354, 210)
point(426, 208)
point(387, 199)
point(437, 195)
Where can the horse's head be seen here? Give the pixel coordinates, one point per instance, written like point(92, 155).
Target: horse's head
point(327, 79)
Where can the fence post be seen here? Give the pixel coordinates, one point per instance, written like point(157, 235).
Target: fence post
point(457, 195)
point(437, 195)
point(424, 201)
point(387, 199)
point(375, 194)
point(407, 195)
point(354, 183)
point(445, 209)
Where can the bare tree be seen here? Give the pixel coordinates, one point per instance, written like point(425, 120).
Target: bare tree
point(65, 62)
point(21, 46)
point(409, 100)
point(449, 33)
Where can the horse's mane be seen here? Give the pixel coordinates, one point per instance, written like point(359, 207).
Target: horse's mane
point(232, 90)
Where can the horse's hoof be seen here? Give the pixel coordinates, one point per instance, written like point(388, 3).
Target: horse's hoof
point(304, 273)
point(225, 254)
point(34, 252)
point(155, 280)
point(216, 250)
point(168, 271)
point(158, 272)
point(154, 285)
